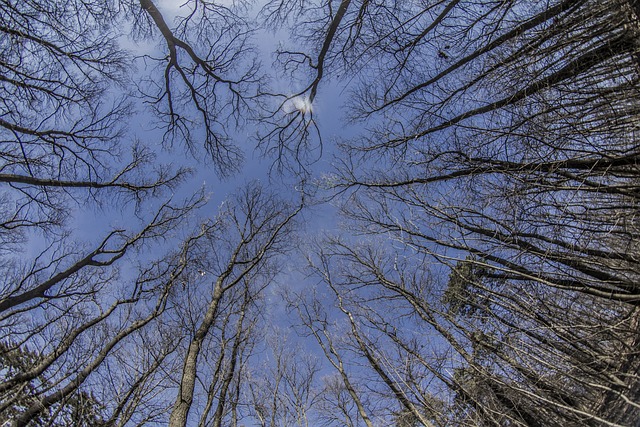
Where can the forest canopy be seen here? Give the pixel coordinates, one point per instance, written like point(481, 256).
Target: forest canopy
point(477, 264)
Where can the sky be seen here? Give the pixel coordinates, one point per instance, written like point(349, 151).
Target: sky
point(447, 108)
point(92, 221)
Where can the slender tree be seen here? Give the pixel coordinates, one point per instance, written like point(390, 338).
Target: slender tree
point(487, 273)
point(237, 251)
point(500, 145)
point(88, 320)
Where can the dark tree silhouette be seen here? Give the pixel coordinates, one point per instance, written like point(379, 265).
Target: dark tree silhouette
point(501, 147)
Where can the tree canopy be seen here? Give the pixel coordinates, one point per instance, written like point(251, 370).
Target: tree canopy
point(481, 263)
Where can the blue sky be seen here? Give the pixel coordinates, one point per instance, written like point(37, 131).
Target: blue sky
point(422, 125)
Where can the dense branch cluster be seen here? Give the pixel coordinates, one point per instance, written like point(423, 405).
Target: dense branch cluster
point(504, 136)
point(487, 269)
point(112, 327)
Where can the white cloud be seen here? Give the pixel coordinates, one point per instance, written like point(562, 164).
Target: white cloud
point(299, 103)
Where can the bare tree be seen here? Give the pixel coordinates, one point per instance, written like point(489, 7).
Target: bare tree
point(75, 322)
point(399, 371)
point(504, 131)
point(282, 388)
point(491, 274)
point(482, 352)
point(61, 124)
point(80, 318)
point(343, 392)
point(238, 248)
point(292, 132)
point(208, 76)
